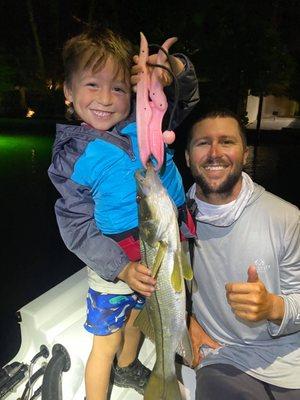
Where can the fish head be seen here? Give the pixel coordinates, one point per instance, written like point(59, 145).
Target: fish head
point(153, 205)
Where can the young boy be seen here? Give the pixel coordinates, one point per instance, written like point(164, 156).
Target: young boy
point(93, 169)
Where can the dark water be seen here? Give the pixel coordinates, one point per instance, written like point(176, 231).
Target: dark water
point(33, 257)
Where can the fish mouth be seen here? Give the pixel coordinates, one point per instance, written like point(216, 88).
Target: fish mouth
point(146, 179)
point(140, 175)
point(144, 174)
point(143, 188)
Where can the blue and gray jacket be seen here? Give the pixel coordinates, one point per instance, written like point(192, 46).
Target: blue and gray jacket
point(94, 173)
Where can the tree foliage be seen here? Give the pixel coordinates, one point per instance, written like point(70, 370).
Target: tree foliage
point(235, 46)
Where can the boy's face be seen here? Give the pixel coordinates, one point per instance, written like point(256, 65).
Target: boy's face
point(101, 99)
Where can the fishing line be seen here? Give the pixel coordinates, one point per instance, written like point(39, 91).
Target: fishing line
point(175, 81)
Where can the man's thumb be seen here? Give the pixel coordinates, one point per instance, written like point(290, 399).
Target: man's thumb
point(252, 274)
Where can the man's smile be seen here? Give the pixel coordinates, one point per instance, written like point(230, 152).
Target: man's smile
point(215, 167)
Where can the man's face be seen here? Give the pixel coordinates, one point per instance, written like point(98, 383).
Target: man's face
point(216, 157)
point(102, 98)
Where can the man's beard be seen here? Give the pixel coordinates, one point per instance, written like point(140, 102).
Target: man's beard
point(225, 189)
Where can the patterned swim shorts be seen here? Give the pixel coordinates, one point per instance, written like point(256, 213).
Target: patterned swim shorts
point(107, 313)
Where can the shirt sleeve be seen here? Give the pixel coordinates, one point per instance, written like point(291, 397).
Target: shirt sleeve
point(290, 279)
point(75, 217)
point(188, 92)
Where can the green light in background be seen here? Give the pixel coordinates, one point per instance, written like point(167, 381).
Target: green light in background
point(23, 142)
point(20, 152)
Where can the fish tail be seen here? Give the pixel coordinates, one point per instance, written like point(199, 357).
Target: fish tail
point(159, 388)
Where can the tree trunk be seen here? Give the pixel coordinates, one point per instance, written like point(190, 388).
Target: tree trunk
point(36, 39)
point(91, 12)
point(259, 112)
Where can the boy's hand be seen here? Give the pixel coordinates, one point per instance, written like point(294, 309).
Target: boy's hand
point(164, 76)
point(138, 277)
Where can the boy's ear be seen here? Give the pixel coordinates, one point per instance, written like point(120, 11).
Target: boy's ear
point(68, 93)
point(187, 158)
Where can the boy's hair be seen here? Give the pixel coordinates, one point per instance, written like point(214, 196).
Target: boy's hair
point(224, 113)
point(92, 49)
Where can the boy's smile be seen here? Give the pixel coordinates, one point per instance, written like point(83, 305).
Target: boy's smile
point(102, 98)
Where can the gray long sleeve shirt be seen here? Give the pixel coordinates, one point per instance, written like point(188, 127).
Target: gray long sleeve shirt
point(266, 234)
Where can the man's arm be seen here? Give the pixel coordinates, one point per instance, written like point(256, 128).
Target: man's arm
point(199, 338)
point(251, 300)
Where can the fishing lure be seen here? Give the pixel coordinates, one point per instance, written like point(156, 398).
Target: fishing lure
point(151, 105)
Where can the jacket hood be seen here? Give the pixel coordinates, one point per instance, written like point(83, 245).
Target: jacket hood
point(65, 133)
point(85, 133)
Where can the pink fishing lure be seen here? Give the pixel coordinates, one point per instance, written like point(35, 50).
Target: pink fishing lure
point(151, 105)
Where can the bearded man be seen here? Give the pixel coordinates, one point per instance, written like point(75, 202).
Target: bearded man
point(247, 270)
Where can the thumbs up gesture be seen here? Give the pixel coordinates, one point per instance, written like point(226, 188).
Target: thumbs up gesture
point(252, 302)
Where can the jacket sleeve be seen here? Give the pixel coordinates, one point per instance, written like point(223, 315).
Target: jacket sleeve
point(290, 279)
point(75, 217)
point(188, 92)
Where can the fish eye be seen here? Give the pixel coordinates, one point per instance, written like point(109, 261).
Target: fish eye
point(138, 198)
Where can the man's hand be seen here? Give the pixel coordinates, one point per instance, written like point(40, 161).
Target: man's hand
point(252, 302)
point(138, 277)
point(198, 338)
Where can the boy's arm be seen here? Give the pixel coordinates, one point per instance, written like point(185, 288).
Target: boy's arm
point(75, 217)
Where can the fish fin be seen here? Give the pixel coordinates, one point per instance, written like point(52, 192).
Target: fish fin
point(160, 388)
point(176, 277)
point(186, 267)
point(192, 286)
point(143, 322)
point(185, 349)
point(162, 249)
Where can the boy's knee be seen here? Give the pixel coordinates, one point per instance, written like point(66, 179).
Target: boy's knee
point(108, 345)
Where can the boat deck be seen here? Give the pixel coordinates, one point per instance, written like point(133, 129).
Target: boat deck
point(57, 317)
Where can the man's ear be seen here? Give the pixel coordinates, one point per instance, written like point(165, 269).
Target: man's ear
point(187, 158)
point(68, 93)
point(245, 156)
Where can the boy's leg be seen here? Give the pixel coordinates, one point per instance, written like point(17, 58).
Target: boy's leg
point(98, 367)
point(129, 371)
point(132, 337)
point(106, 316)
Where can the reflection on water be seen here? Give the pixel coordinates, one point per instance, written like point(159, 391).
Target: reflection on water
point(259, 163)
point(34, 258)
point(277, 169)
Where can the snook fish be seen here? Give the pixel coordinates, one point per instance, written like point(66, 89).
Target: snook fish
point(164, 315)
